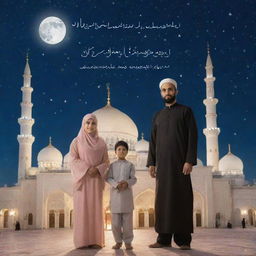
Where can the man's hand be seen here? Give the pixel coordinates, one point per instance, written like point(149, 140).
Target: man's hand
point(93, 171)
point(187, 168)
point(152, 171)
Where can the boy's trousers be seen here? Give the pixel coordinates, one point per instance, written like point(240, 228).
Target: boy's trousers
point(122, 227)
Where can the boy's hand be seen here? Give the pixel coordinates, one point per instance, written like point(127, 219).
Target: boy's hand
point(124, 185)
point(119, 186)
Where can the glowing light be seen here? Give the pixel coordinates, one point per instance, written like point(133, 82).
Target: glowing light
point(12, 213)
point(244, 212)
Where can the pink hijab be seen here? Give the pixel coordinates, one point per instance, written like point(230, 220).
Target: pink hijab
point(87, 141)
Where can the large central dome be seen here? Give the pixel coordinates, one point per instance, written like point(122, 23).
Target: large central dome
point(114, 125)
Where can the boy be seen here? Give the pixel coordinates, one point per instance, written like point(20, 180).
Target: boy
point(121, 178)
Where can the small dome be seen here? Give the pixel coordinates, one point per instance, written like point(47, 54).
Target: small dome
point(199, 162)
point(49, 157)
point(66, 161)
point(142, 145)
point(231, 164)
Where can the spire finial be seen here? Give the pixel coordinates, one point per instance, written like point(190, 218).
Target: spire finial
point(229, 148)
point(208, 48)
point(142, 136)
point(50, 141)
point(27, 56)
point(108, 88)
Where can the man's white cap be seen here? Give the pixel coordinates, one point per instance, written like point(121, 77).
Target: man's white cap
point(167, 80)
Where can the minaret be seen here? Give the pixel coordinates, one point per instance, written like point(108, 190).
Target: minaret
point(25, 138)
point(108, 89)
point(211, 131)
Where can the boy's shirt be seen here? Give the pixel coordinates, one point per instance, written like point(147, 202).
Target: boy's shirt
point(121, 201)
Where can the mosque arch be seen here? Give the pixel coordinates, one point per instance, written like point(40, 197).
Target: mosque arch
point(145, 199)
point(144, 209)
point(252, 217)
point(60, 204)
point(199, 211)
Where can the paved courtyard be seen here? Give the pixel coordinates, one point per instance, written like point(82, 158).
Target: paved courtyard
point(206, 242)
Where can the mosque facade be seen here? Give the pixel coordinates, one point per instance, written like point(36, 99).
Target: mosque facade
point(43, 198)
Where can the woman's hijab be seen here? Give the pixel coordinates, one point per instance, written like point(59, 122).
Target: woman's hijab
point(89, 141)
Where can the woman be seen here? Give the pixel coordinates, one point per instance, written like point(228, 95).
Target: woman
point(89, 163)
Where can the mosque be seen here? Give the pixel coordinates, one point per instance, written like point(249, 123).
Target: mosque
point(43, 199)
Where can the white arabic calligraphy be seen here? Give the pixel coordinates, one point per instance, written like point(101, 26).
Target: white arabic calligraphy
point(96, 26)
point(125, 67)
point(125, 52)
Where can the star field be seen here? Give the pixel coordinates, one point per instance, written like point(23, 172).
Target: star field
point(63, 92)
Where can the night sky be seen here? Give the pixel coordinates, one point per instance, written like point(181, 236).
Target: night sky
point(132, 45)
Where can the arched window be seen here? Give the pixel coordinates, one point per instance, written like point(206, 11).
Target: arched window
point(217, 220)
point(198, 219)
point(51, 219)
point(30, 219)
point(151, 216)
point(6, 214)
point(71, 218)
point(61, 219)
point(141, 219)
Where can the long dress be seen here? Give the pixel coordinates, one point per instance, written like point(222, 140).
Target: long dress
point(88, 195)
point(173, 142)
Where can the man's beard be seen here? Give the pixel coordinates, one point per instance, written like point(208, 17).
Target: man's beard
point(170, 99)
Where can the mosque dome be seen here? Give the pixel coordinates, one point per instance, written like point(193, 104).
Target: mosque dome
point(142, 145)
point(65, 161)
point(49, 157)
point(231, 164)
point(199, 162)
point(114, 125)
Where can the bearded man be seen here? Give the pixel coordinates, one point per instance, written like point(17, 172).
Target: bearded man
point(172, 154)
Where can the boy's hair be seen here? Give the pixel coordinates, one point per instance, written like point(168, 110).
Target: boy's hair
point(121, 143)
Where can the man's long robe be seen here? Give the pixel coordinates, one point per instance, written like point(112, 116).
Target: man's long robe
point(173, 142)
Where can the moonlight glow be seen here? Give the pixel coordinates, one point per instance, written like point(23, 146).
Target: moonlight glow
point(52, 30)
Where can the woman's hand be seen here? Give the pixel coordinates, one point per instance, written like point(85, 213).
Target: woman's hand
point(93, 171)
